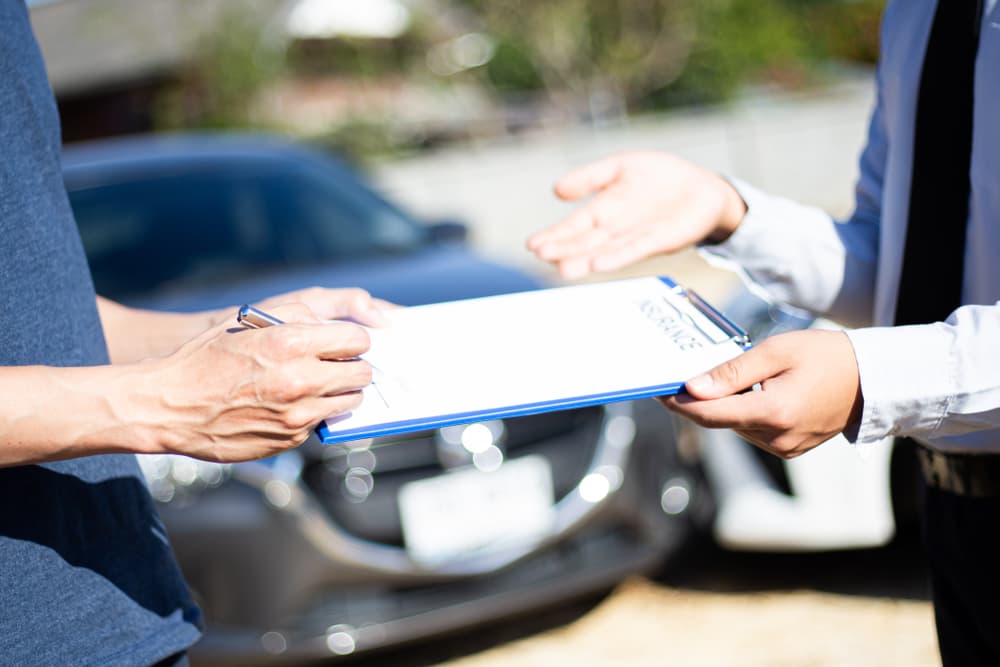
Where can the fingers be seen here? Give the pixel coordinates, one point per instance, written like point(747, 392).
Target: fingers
point(339, 377)
point(308, 380)
point(332, 304)
point(551, 243)
point(626, 249)
point(560, 240)
point(358, 305)
point(810, 392)
point(294, 313)
point(583, 236)
point(332, 378)
point(755, 365)
point(588, 178)
point(742, 411)
point(316, 341)
point(382, 304)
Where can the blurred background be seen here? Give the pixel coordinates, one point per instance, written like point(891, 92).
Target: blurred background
point(452, 103)
point(463, 113)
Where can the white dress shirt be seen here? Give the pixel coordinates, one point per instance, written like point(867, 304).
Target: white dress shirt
point(939, 383)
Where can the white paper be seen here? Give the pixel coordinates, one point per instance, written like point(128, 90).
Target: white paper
point(456, 359)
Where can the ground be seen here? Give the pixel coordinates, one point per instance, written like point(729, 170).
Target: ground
point(711, 607)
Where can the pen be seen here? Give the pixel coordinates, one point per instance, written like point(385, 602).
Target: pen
point(255, 318)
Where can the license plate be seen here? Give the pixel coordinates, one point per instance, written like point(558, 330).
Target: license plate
point(469, 511)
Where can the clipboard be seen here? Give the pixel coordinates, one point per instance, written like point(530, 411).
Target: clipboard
point(544, 350)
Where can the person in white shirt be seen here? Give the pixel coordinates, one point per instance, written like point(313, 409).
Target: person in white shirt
point(927, 214)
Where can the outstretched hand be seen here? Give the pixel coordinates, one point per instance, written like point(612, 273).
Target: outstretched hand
point(644, 203)
point(809, 392)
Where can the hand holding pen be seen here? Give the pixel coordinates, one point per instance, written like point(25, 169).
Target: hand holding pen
point(236, 396)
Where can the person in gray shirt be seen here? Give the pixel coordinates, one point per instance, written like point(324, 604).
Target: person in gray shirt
point(87, 576)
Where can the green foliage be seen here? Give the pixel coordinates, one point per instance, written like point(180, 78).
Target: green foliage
point(736, 42)
point(656, 53)
point(573, 54)
point(353, 57)
point(511, 68)
point(217, 86)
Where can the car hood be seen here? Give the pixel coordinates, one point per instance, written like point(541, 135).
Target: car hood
point(430, 275)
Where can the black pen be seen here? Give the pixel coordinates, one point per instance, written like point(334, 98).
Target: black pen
point(255, 318)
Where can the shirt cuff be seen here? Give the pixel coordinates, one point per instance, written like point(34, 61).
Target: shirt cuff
point(751, 231)
point(907, 378)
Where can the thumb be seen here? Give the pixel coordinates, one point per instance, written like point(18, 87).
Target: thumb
point(734, 376)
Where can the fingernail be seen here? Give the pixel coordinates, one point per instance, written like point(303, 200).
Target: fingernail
point(700, 383)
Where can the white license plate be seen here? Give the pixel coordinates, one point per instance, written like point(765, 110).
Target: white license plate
point(468, 511)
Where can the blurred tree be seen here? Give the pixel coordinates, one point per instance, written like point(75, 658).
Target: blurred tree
point(602, 53)
point(228, 68)
point(482, 67)
point(614, 55)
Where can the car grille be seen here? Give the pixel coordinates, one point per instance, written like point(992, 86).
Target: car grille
point(567, 439)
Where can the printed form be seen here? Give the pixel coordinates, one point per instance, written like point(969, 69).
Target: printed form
point(513, 354)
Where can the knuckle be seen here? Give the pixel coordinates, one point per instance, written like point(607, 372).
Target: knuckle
point(298, 419)
point(291, 387)
point(291, 342)
point(358, 295)
point(730, 372)
point(303, 312)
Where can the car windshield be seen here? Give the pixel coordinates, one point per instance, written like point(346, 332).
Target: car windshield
point(198, 225)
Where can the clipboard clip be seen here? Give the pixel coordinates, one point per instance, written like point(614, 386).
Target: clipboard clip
point(735, 332)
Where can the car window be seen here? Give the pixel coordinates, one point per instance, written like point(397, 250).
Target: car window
point(212, 225)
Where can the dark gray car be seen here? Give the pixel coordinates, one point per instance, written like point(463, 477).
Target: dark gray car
point(304, 555)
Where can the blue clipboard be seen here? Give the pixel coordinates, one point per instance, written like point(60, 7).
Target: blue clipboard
point(712, 325)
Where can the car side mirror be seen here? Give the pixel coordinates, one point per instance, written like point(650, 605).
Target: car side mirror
point(448, 231)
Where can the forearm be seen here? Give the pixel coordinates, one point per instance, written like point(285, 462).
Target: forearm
point(220, 397)
point(134, 334)
point(51, 413)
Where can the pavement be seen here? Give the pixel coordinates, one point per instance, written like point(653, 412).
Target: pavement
point(710, 607)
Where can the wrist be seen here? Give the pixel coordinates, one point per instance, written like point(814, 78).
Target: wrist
point(732, 211)
point(133, 410)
